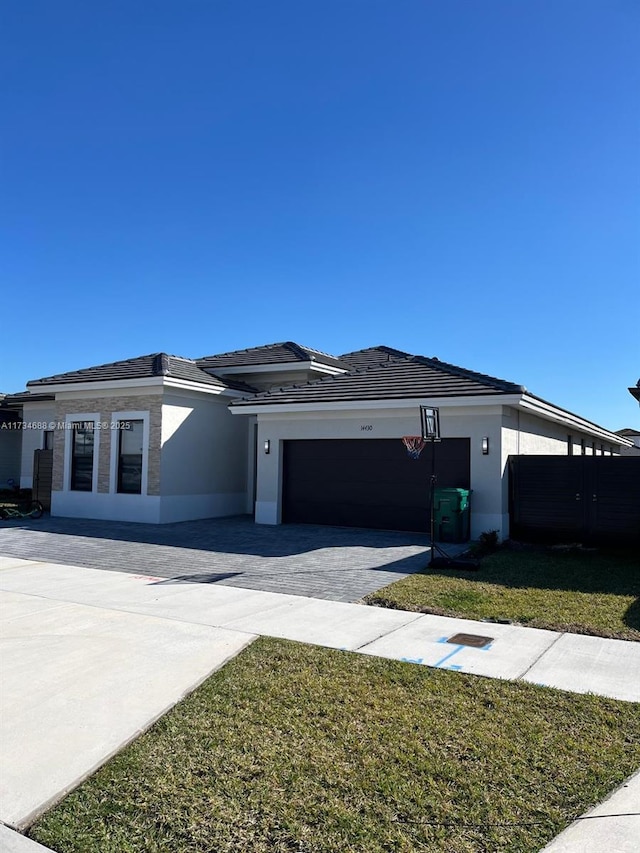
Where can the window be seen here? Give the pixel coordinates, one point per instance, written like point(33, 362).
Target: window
point(130, 446)
point(129, 462)
point(47, 440)
point(82, 448)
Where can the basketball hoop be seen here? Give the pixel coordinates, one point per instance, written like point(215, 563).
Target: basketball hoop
point(414, 445)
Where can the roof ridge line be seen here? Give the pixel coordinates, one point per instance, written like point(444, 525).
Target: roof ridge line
point(297, 350)
point(161, 366)
point(382, 348)
point(447, 367)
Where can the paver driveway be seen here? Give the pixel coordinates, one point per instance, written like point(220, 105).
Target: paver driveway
point(342, 564)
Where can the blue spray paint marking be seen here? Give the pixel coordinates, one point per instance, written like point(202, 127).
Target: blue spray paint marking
point(455, 651)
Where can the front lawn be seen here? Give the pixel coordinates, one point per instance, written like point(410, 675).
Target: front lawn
point(586, 592)
point(298, 748)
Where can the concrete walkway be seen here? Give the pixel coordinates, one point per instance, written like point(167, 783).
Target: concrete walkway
point(109, 652)
point(79, 681)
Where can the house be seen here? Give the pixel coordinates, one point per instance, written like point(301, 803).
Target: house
point(634, 436)
point(288, 433)
point(10, 443)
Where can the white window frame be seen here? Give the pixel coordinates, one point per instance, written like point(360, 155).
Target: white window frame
point(115, 449)
point(83, 417)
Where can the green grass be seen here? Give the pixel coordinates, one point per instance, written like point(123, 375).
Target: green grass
point(586, 592)
point(298, 748)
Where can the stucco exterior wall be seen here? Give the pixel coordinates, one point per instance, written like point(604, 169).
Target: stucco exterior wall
point(38, 416)
point(204, 457)
point(197, 457)
point(524, 433)
point(487, 508)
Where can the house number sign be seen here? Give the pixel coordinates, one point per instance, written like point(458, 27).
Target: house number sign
point(366, 427)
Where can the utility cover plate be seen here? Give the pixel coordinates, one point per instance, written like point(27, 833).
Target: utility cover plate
point(473, 640)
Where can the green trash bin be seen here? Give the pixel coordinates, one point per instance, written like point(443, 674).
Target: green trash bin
point(451, 515)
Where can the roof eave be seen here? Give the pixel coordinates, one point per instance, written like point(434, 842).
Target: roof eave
point(548, 411)
point(275, 367)
point(154, 382)
point(25, 397)
point(252, 407)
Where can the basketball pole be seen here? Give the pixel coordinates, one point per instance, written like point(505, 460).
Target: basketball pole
point(432, 500)
point(430, 428)
point(430, 432)
point(434, 549)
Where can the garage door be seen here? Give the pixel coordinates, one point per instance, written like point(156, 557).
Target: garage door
point(370, 483)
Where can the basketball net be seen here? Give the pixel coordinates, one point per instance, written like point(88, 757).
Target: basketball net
point(414, 445)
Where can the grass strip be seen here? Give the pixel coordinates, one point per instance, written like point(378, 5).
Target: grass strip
point(297, 748)
point(584, 592)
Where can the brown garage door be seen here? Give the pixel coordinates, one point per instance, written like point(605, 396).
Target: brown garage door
point(367, 483)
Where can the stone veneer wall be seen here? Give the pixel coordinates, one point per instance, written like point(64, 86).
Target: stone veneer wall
point(151, 403)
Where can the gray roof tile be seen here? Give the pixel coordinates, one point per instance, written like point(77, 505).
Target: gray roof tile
point(373, 355)
point(400, 378)
point(142, 367)
point(280, 353)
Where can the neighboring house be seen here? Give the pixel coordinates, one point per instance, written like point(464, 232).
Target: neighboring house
point(635, 391)
point(288, 433)
point(10, 443)
point(34, 412)
point(634, 436)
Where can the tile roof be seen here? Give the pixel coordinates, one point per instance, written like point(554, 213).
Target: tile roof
point(373, 355)
point(400, 378)
point(143, 367)
point(281, 353)
point(22, 397)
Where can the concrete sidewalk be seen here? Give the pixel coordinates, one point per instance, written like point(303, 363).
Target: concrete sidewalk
point(572, 662)
point(611, 827)
point(93, 658)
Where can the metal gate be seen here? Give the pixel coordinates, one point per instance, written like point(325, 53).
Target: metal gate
point(591, 499)
point(42, 477)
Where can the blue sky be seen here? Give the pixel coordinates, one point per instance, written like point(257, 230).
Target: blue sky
point(458, 179)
